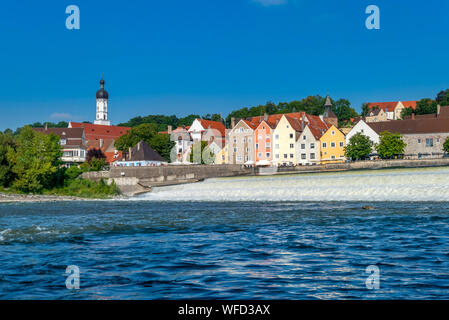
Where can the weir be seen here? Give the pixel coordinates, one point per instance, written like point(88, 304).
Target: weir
point(419, 184)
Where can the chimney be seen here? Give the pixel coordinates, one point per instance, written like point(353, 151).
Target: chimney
point(265, 116)
point(169, 129)
point(438, 110)
point(129, 153)
point(138, 145)
point(101, 143)
point(302, 124)
point(413, 116)
point(232, 123)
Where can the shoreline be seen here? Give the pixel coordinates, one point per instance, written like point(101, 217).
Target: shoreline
point(17, 198)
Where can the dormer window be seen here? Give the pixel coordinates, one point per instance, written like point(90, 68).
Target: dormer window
point(63, 142)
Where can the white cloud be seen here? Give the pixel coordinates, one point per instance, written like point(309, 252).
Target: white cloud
point(268, 3)
point(61, 116)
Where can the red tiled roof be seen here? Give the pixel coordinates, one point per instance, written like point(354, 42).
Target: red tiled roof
point(97, 131)
point(112, 156)
point(213, 125)
point(390, 106)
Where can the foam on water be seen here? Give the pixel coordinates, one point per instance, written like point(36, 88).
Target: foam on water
point(423, 184)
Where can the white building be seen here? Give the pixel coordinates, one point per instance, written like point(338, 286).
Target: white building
point(363, 128)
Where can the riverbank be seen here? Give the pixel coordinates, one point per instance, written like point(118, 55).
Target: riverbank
point(13, 197)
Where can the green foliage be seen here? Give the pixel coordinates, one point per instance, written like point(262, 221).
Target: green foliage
point(97, 164)
point(406, 112)
point(72, 173)
point(160, 121)
point(86, 189)
point(365, 109)
point(390, 145)
point(446, 145)
point(443, 98)
point(343, 111)
point(359, 147)
point(207, 155)
point(35, 161)
point(149, 133)
point(426, 106)
point(7, 144)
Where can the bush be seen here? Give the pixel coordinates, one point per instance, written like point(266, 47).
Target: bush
point(87, 189)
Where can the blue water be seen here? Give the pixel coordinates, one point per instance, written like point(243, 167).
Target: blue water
point(224, 250)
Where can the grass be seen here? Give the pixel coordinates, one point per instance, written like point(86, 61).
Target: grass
point(86, 189)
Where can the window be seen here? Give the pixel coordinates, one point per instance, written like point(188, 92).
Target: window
point(292, 155)
point(419, 140)
point(250, 140)
point(312, 156)
point(342, 144)
point(276, 146)
point(333, 133)
point(324, 145)
point(332, 144)
point(268, 154)
point(63, 142)
point(276, 136)
point(222, 157)
point(268, 146)
point(438, 140)
point(247, 149)
point(333, 157)
point(291, 135)
point(260, 137)
point(277, 156)
point(304, 137)
point(235, 140)
point(292, 145)
point(303, 146)
point(312, 146)
point(429, 142)
point(303, 156)
point(285, 156)
point(244, 140)
point(257, 146)
point(235, 149)
point(259, 155)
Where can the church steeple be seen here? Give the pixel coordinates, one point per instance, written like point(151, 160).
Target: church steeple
point(102, 105)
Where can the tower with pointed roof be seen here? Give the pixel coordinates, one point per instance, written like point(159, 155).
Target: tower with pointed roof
point(329, 116)
point(102, 106)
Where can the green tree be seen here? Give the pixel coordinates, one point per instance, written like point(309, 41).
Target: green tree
point(406, 112)
point(147, 132)
point(365, 109)
point(207, 155)
point(446, 145)
point(343, 111)
point(443, 98)
point(359, 147)
point(390, 145)
point(426, 106)
point(36, 161)
point(7, 144)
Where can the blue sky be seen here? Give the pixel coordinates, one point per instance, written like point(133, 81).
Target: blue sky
point(210, 56)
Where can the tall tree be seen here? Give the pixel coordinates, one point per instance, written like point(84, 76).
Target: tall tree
point(426, 106)
point(365, 109)
point(7, 144)
point(443, 98)
point(390, 145)
point(35, 161)
point(359, 147)
point(148, 133)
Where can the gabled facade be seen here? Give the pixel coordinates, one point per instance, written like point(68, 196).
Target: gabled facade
point(363, 128)
point(332, 146)
point(377, 115)
point(241, 143)
point(393, 109)
point(284, 139)
point(263, 142)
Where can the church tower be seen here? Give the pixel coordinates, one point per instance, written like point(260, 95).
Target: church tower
point(102, 106)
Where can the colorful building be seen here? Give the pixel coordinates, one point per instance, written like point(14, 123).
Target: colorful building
point(332, 146)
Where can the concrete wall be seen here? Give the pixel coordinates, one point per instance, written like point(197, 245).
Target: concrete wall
point(134, 180)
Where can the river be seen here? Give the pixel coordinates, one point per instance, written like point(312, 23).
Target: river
point(284, 237)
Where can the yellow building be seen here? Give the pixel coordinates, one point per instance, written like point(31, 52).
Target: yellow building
point(222, 156)
point(284, 140)
point(332, 146)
